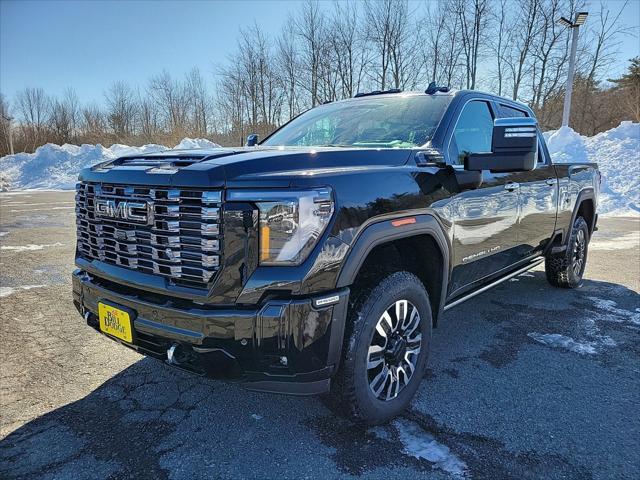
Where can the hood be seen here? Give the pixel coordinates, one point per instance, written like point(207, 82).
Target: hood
point(248, 166)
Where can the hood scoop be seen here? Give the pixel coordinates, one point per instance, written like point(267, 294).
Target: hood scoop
point(166, 162)
point(155, 164)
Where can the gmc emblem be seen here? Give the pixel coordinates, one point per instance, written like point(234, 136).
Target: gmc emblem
point(123, 210)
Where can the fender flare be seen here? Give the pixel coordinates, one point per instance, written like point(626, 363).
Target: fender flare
point(384, 231)
point(584, 194)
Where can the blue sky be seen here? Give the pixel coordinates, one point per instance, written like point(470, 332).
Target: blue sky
point(88, 45)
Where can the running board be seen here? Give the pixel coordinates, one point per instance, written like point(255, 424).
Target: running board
point(529, 266)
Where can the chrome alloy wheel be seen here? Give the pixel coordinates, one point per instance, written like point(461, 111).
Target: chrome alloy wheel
point(579, 249)
point(394, 350)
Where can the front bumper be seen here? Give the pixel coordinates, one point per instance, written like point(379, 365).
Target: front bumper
point(285, 346)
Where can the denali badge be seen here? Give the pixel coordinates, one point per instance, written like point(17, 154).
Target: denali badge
point(133, 211)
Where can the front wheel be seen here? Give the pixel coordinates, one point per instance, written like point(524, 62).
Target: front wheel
point(386, 354)
point(566, 269)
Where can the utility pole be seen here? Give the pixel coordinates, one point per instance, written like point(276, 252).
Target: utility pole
point(581, 17)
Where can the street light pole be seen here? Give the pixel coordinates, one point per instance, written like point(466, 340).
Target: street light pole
point(569, 88)
point(581, 17)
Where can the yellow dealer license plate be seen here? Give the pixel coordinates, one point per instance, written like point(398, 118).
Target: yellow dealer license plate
point(115, 322)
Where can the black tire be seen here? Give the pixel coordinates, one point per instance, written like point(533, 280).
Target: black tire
point(351, 389)
point(563, 270)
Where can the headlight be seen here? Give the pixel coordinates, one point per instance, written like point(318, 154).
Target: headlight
point(291, 222)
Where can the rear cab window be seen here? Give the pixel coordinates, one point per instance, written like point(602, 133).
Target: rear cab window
point(507, 111)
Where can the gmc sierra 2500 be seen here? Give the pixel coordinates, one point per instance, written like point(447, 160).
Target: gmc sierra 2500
point(320, 259)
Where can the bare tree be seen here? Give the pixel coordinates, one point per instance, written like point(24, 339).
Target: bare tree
point(501, 18)
point(435, 40)
point(93, 123)
point(64, 117)
point(231, 104)
point(149, 121)
point(521, 43)
point(379, 31)
point(348, 49)
point(288, 62)
point(473, 16)
point(324, 54)
point(34, 106)
point(549, 52)
point(310, 27)
point(199, 103)
point(171, 98)
point(121, 110)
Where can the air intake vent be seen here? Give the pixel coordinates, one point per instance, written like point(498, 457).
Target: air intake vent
point(178, 161)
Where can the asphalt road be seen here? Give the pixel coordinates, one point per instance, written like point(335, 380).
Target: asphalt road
point(525, 381)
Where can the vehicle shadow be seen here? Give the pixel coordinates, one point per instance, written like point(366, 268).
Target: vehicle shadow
point(150, 421)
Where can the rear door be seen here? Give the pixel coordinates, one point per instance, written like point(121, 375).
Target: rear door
point(483, 219)
point(538, 197)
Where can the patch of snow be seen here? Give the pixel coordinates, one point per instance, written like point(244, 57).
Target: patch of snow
point(561, 341)
point(624, 242)
point(41, 209)
point(194, 143)
point(617, 153)
point(611, 307)
point(30, 247)
point(420, 444)
point(28, 204)
point(6, 291)
point(57, 166)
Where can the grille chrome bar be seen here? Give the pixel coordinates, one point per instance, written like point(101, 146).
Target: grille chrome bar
point(181, 242)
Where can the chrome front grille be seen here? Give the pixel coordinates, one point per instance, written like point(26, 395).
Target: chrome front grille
point(180, 239)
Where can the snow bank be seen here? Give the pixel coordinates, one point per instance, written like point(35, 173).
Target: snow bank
point(617, 153)
point(190, 143)
point(57, 166)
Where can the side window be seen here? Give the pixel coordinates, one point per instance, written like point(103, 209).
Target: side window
point(543, 158)
point(510, 112)
point(472, 133)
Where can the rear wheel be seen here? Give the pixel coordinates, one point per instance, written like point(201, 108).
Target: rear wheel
point(385, 356)
point(566, 269)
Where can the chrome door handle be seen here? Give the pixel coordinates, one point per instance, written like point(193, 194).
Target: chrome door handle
point(511, 186)
point(551, 181)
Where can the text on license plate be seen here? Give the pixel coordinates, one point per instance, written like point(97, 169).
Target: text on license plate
point(115, 322)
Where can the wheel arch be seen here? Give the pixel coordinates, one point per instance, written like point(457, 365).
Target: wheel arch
point(585, 207)
point(420, 247)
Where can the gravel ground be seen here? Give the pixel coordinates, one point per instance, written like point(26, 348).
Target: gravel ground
point(525, 381)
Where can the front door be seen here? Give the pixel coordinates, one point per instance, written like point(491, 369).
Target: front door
point(483, 219)
point(538, 197)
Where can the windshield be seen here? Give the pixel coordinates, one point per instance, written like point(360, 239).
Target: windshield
point(380, 122)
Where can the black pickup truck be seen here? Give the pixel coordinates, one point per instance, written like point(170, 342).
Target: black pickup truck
point(320, 259)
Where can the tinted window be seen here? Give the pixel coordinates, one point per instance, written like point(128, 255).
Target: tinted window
point(396, 121)
point(511, 112)
point(542, 153)
point(473, 132)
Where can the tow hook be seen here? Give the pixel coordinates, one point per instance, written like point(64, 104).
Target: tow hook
point(171, 360)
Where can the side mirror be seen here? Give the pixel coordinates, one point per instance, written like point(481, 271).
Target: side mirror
point(252, 140)
point(514, 147)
